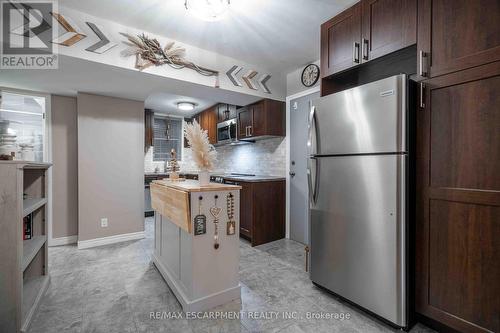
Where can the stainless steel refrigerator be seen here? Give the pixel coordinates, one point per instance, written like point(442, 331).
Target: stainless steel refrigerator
point(358, 191)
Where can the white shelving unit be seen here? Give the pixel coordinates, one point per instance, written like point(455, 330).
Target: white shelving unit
point(30, 205)
point(24, 268)
point(31, 247)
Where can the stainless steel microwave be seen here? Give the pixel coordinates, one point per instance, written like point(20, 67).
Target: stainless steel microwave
point(226, 131)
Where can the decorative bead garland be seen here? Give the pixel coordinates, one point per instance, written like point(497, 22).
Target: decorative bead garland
point(231, 224)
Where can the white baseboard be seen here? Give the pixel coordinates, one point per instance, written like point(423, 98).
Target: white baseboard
point(110, 240)
point(63, 240)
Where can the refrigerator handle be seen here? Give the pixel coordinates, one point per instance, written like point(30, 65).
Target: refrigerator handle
point(312, 179)
point(312, 142)
point(309, 183)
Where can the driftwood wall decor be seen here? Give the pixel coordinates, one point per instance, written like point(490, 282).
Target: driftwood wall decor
point(148, 52)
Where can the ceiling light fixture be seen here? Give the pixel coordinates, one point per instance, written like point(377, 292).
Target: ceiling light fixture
point(185, 106)
point(208, 10)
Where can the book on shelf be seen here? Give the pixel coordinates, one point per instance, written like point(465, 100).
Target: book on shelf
point(28, 227)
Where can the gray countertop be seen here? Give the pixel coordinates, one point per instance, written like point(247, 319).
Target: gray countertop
point(232, 177)
point(253, 179)
point(164, 174)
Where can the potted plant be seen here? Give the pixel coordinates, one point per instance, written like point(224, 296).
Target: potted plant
point(204, 154)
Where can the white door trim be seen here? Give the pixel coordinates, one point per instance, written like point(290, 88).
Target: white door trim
point(288, 99)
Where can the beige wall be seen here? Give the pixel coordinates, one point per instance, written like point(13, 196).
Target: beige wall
point(110, 166)
point(65, 167)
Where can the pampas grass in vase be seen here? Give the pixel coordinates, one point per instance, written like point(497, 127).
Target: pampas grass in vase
point(204, 154)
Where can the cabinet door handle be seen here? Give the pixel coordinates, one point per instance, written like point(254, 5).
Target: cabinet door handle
point(421, 56)
point(355, 52)
point(249, 130)
point(365, 49)
point(422, 91)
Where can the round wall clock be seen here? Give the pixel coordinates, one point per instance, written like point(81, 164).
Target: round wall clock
point(310, 75)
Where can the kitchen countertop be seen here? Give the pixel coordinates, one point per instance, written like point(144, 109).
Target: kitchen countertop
point(165, 174)
point(194, 186)
point(251, 179)
point(232, 177)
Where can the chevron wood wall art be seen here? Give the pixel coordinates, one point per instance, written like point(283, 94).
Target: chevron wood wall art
point(71, 36)
point(24, 29)
point(249, 79)
point(232, 75)
point(262, 82)
point(103, 45)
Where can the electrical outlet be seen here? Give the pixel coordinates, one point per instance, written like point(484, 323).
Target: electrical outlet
point(104, 222)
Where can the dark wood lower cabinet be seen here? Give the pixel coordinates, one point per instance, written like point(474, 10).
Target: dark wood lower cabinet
point(458, 200)
point(262, 211)
point(246, 209)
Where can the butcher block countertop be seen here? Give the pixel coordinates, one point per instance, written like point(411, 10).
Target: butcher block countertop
point(194, 186)
point(172, 199)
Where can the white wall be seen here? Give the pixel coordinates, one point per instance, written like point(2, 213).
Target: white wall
point(293, 81)
point(199, 56)
point(110, 166)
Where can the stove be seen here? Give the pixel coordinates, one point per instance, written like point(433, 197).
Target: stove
point(221, 178)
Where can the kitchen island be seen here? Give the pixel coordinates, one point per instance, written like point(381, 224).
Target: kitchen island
point(196, 245)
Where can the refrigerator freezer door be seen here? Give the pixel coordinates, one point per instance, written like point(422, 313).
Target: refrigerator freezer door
point(357, 231)
point(366, 119)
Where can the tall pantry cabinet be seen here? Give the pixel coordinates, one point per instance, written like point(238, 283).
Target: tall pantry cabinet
point(458, 158)
point(454, 46)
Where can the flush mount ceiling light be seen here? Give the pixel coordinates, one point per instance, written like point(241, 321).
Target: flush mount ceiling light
point(208, 10)
point(185, 106)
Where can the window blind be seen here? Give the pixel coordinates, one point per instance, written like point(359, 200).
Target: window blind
point(167, 135)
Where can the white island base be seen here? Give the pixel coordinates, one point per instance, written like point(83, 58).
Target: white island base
point(200, 276)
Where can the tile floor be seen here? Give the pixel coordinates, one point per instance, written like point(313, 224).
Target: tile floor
point(115, 288)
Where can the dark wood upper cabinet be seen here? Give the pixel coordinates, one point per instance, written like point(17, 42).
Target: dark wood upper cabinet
point(245, 120)
point(148, 129)
point(211, 124)
point(368, 30)
point(225, 112)
point(340, 41)
point(458, 200)
point(457, 34)
point(260, 118)
point(387, 26)
point(265, 118)
point(208, 121)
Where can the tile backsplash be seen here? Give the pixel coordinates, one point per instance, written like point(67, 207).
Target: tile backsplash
point(264, 157)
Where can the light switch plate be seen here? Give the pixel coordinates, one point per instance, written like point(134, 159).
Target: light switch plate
point(104, 222)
